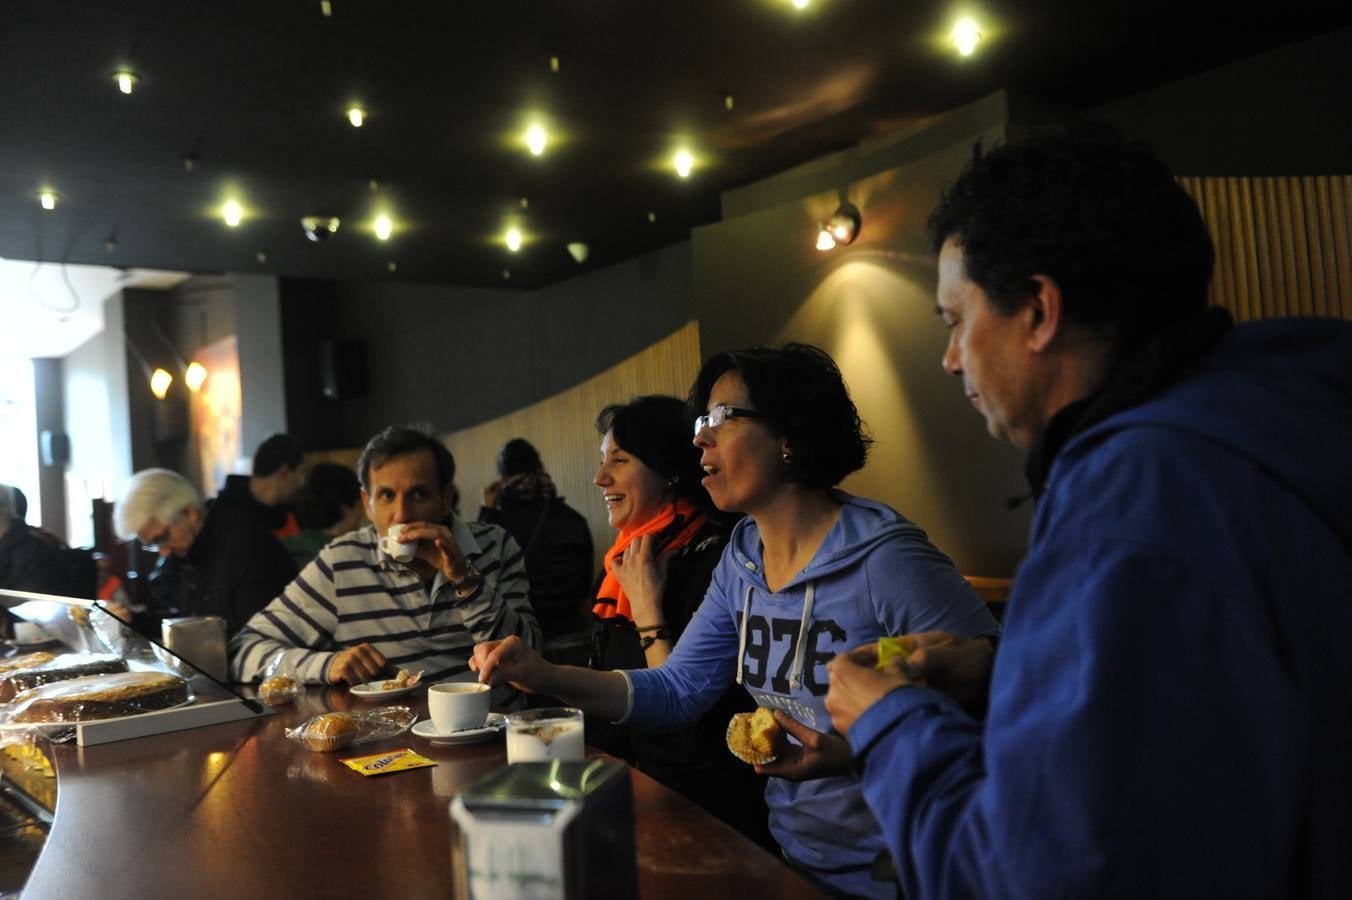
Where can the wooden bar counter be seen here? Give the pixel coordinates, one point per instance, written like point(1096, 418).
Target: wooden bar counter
point(238, 810)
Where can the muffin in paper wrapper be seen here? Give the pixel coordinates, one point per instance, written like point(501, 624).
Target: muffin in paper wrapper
point(743, 749)
point(339, 730)
point(280, 683)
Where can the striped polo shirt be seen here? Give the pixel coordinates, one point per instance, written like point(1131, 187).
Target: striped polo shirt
point(353, 593)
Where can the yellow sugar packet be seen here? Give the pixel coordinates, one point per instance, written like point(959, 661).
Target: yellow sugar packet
point(387, 762)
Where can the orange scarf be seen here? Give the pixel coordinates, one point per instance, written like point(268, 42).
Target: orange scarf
point(610, 599)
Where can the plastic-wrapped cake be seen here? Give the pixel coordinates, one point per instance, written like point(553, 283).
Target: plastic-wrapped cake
point(99, 697)
point(62, 668)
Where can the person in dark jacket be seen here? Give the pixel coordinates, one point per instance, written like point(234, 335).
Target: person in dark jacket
point(234, 564)
point(1168, 712)
point(557, 545)
point(271, 492)
point(30, 562)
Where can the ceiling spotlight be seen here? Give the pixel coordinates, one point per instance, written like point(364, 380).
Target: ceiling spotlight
point(513, 239)
point(195, 377)
point(727, 102)
point(373, 185)
point(684, 163)
point(159, 383)
point(801, 4)
point(126, 80)
point(536, 139)
point(966, 36)
point(232, 212)
point(325, 8)
point(554, 64)
point(320, 228)
point(579, 251)
point(824, 240)
point(392, 266)
point(383, 227)
point(652, 217)
point(356, 115)
point(525, 203)
point(47, 199)
point(506, 274)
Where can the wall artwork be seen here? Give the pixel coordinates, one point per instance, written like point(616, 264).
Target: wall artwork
point(217, 413)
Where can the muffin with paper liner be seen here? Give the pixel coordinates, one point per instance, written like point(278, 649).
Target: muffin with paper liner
point(755, 737)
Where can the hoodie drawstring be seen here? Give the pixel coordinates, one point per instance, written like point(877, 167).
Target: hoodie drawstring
point(741, 636)
point(796, 678)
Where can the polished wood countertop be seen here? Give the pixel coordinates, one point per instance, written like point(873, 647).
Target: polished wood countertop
point(238, 810)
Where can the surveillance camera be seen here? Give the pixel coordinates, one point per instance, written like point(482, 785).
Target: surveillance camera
point(319, 228)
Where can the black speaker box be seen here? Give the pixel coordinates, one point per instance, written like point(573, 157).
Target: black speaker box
point(342, 369)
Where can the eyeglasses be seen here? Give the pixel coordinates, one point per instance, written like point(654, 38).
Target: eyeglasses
point(720, 414)
point(159, 540)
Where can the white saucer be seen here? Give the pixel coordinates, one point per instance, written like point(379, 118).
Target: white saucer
point(496, 722)
point(372, 690)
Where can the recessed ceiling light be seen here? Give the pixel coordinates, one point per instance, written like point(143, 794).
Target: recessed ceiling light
point(513, 239)
point(652, 216)
point(966, 35)
point(126, 80)
point(684, 163)
point(392, 266)
point(232, 212)
point(554, 64)
point(383, 227)
point(47, 199)
point(536, 139)
point(801, 4)
point(325, 8)
point(356, 115)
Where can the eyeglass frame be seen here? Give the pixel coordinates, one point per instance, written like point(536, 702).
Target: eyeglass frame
point(163, 537)
point(728, 412)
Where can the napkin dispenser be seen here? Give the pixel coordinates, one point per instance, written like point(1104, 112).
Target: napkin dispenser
point(547, 830)
point(200, 640)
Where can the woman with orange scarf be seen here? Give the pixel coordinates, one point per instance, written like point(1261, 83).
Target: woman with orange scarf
point(669, 538)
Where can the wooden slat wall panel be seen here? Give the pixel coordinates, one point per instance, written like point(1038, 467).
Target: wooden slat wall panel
point(1283, 244)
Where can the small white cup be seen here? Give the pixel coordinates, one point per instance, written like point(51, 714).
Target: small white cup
point(458, 705)
point(396, 549)
point(536, 735)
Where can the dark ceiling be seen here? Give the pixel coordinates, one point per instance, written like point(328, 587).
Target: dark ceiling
point(255, 91)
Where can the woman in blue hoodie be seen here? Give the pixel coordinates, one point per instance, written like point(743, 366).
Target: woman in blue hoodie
point(810, 572)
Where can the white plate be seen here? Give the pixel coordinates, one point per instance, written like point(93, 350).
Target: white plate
point(372, 690)
point(496, 722)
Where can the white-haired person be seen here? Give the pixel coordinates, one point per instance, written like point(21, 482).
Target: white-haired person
point(234, 564)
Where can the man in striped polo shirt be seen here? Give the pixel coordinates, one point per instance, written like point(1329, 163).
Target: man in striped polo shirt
point(355, 613)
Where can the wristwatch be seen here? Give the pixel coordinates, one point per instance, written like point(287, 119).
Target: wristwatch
point(466, 583)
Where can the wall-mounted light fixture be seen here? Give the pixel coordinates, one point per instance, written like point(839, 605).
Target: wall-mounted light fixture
point(158, 379)
point(842, 228)
point(126, 80)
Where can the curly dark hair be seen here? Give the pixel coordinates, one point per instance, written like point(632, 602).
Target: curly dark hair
point(656, 429)
point(329, 490)
point(1097, 213)
point(398, 440)
point(804, 399)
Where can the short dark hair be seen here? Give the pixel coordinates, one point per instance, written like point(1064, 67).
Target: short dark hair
point(277, 451)
point(658, 430)
point(800, 391)
point(518, 457)
point(330, 488)
point(400, 440)
point(1097, 213)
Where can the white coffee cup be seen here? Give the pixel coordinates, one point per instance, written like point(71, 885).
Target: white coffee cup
point(395, 548)
point(458, 705)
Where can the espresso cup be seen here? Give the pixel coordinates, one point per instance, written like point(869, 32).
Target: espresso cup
point(395, 548)
point(458, 705)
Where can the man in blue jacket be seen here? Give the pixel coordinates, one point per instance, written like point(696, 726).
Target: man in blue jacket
point(1168, 710)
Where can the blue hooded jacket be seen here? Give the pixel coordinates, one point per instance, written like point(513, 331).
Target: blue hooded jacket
point(1169, 710)
point(875, 574)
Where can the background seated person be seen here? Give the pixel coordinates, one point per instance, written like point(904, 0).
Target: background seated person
point(808, 573)
point(234, 565)
point(557, 544)
point(271, 492)
point(669, 538)
point(355, 612)
point(329, 506)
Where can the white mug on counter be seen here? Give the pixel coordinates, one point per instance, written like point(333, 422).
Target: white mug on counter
point(543, 734)
point(392, 543)
point(458, 705)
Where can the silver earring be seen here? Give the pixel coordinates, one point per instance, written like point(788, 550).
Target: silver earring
point(787, 456)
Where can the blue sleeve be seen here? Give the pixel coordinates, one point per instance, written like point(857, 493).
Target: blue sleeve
point(1137, 686)
point(915, 588)
point(701, 666)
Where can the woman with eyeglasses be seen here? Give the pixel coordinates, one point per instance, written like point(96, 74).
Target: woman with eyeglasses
point(809, 572)
point(668, 539)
